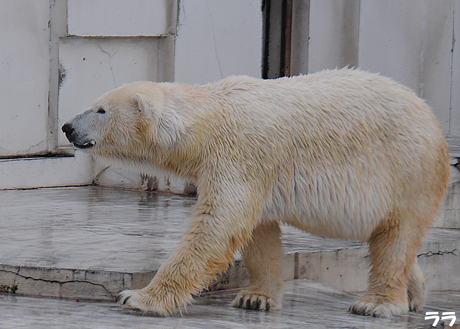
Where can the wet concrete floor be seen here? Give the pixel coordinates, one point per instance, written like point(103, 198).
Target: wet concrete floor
point(105, 229)
point(306, 305)
point(94, 228)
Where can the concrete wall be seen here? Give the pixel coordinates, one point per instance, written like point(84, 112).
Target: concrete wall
point(214, 39)
point(421, 56)
point(24, 75)
point(411, 41)
point(58, 56)
point(333, 35)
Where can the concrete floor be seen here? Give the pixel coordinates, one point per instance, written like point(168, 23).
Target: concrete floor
point(306, 305)
point(89, 243)
point(130, 230)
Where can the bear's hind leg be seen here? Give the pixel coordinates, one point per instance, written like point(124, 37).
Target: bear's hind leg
point(416, 288)
point(392, 248)
point(263, 258)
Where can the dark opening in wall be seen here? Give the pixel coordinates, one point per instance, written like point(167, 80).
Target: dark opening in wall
point(277, 18)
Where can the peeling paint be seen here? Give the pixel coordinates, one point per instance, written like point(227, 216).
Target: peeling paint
point(62, 74)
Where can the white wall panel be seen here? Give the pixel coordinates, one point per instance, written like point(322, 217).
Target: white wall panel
point(454, 130)
point(300, 40)
point(216, 39)
point(333, 34)
point(92, 66)
point(24, 76)
point(411, 42)
point(390, 39)
point(118, 17)
point(435, 79)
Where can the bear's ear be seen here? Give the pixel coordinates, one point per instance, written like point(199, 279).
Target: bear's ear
point(143, 103)
point(168, 123)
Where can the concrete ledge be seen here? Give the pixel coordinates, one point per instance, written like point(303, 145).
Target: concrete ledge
point(345, 269)
point(449, 214)
point(109, 176)
point(24, 173)
point(306, 305)
point(69, 283)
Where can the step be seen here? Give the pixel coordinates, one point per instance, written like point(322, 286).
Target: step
point(93, 242)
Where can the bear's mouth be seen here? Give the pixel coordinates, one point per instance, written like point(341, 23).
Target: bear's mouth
point(85, 145)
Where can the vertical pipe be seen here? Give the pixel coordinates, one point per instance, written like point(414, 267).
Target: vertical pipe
point(266, 38)
point(287, 37)
point(278, 16)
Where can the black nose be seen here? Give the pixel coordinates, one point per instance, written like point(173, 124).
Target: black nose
point(67, 129)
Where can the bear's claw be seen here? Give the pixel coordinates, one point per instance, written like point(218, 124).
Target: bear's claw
point(124, 297)
point(252, 305)
point(255, 301)
point(374, 307)
point(143, 301)
point(120, 297)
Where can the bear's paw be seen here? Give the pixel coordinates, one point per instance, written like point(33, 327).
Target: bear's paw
point(416, 303)
point(141, 300)
point(378, 307)
point(251, 300)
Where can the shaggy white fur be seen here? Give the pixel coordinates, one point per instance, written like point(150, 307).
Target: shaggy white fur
point(344, 154)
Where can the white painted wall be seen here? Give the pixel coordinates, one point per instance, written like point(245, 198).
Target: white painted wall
point(98, 45)
point(333, 41)
point(94, 66)
point(24, 75)
point(410, 41)
point(58, 56)
point(454, 123)
point(216, 39)
point(114, 18)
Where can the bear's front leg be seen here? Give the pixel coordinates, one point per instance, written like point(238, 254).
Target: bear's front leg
point(207, 249)
point(263, 258)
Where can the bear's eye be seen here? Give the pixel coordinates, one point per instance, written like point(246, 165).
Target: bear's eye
point(101, 110)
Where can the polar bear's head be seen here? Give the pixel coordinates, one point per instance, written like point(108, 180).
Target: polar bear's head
point(126, 121)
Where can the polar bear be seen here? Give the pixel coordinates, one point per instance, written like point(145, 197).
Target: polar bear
point(341, 154)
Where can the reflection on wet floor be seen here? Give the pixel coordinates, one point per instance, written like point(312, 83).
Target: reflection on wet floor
point(306, 305)
point(130, 231)
point(105, 229)
point(64, 228)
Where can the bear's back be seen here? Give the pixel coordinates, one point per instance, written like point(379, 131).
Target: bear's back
point(342, 146)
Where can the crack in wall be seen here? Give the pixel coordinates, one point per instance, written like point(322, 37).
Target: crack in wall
point(109, 62)
point(454, 252)
point(214, 40)
point(55, 281)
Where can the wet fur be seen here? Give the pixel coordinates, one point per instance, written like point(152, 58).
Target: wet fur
point(344, 154)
